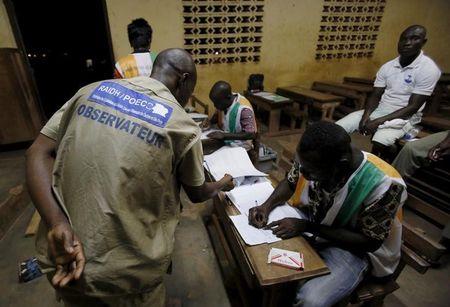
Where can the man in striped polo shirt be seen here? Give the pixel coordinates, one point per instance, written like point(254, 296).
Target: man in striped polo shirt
point(140, 62)
point(352, 200)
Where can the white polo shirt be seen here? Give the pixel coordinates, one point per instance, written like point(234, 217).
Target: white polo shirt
point(419, 77)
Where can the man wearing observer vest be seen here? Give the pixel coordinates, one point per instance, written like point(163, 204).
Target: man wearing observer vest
point(234, 115)
point(352, 202)
point(105, 175)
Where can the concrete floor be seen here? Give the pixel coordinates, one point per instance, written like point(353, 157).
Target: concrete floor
point(196, 278)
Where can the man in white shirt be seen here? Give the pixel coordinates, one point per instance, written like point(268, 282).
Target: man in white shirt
point(401, 89)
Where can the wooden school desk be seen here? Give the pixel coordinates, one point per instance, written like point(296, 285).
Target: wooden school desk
point(358, 93)
point(251, 261)
point(274, 108)
point(326, 103)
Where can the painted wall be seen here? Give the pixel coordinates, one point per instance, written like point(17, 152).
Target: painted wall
point(6, 35)
point(290, 33)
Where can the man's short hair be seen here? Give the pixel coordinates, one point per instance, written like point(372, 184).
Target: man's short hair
point(140, 33)
point(325, 139)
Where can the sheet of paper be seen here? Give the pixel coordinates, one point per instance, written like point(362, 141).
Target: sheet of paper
point(271, 96)
point(245, 197)
point(230, 160)
point(250, 234)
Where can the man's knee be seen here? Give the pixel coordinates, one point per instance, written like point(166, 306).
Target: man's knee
point(313, 299)
point(351, 122)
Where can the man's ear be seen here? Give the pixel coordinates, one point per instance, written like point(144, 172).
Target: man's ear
point(425, 40)
point(344, 162)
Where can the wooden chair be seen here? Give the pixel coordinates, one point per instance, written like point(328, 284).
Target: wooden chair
point(371, 292)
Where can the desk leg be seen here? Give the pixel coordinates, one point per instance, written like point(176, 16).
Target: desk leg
point(271, 295)
point(274, 121)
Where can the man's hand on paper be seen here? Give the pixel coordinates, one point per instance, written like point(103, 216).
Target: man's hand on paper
point(288, 227)
point(206, 124)
point(258, 216)
point(227, 183)
point(216, 135)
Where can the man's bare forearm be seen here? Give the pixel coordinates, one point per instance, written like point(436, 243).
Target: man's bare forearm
point(281, 194)
point(207, 190)
point(345, 238)
point(373, 102)
point(39, 167)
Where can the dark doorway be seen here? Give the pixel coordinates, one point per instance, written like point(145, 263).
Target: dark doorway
point(68, 46)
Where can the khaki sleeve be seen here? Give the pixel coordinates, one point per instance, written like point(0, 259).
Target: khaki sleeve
point(190, 170)
point(51, 128)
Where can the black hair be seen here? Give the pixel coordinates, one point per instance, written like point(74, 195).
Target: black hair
point(140, 33)
point(413, 27)
point(330, 142)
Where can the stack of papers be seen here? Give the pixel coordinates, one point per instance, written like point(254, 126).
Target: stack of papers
point(254, 190)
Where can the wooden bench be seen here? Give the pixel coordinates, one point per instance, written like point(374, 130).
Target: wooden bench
point(326, 103)
point(356, 80)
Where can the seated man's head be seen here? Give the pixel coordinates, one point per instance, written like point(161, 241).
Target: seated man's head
point(325, 153)
point(412, 40)
point(221, 95)
point(140, 34)
point(175, 69)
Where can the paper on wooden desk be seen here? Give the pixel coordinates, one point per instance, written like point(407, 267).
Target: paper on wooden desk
point(250, 234)
point(245, 197)
point(230, 160)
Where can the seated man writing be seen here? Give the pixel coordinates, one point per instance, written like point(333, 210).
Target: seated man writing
point(401, 89)
point(234, 116)
point(351, 199)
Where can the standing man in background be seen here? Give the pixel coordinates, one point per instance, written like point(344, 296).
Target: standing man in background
point(105, 175)
point(140, 62)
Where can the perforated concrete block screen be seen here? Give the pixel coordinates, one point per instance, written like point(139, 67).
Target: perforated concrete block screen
point(223, 31)
point(349, 28)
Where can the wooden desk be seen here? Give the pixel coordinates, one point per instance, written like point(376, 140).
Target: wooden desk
point(356, 92)
point(356, 80)
point(274, 108)
point(324, 102)
point(252, 260)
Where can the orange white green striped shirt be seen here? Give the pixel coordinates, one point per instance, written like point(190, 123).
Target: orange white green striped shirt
point(369, 202)
point(134, 65)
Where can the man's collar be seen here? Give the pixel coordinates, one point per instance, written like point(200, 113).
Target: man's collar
point(158, 88)
point(413, 64)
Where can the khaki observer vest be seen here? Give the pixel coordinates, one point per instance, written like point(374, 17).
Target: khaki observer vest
point(119, 145)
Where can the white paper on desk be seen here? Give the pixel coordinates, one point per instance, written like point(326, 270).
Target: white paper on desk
point(230, 160)
point(250, 234)
point(245, 197)
point(206, 132)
